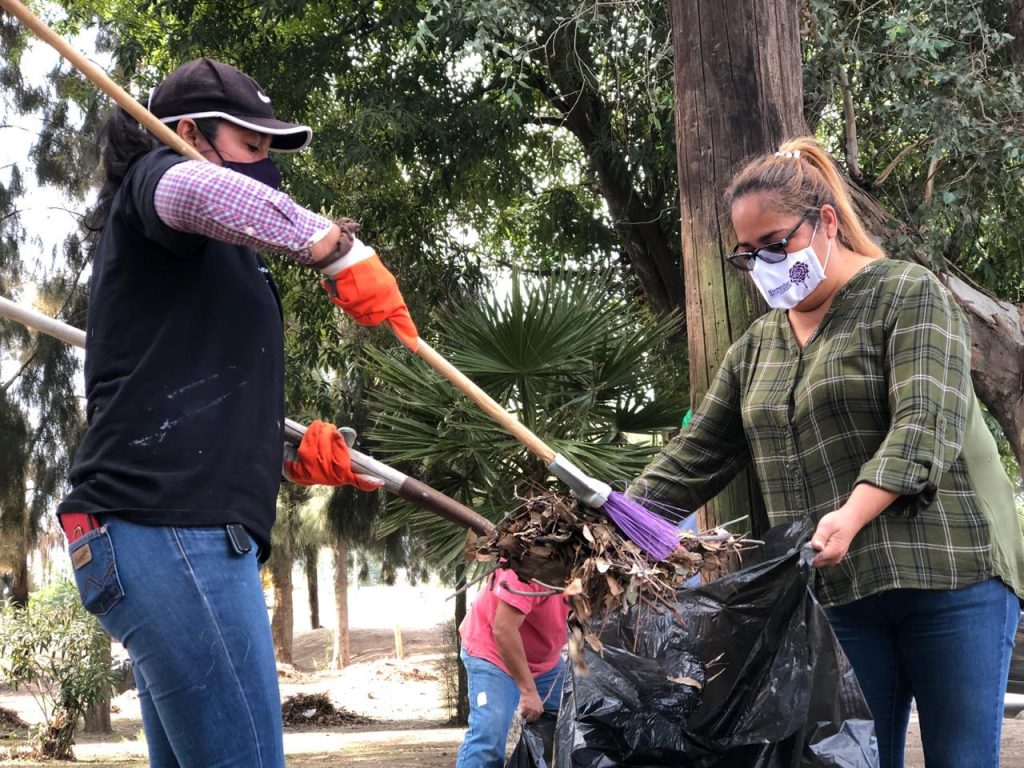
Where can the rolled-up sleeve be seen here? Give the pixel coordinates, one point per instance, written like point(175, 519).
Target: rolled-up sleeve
point(928, 368)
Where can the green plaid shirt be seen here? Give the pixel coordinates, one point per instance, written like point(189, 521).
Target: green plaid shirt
point(881, 393)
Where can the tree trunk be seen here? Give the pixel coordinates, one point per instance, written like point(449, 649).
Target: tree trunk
point(738, 92)
point(638, 221)
point(19, 578)
point(97, 715)
point(282, 623)
point(310, 563)
point(997, 357)
point(1015, 17)
point(462, 705)
point(340, 653)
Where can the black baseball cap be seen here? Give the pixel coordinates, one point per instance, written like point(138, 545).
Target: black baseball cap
point(207, 88)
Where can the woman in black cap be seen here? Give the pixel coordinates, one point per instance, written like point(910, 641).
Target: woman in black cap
point(174, 486)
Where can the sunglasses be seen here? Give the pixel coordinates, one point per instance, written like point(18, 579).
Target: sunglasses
point(772, 253)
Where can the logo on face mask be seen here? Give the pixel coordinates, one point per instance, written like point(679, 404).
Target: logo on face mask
point(786, 284)
point(799, 273)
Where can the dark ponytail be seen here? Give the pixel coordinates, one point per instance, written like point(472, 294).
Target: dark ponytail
point(122, 142)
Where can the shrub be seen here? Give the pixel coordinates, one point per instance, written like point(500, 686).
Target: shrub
point(59, 652)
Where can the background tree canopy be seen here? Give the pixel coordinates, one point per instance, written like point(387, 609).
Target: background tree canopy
point(472, 136)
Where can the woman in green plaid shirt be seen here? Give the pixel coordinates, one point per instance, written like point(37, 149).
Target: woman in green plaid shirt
point(853, 400)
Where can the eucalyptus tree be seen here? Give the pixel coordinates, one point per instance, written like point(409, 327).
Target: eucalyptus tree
point(924, 102)
point(540, 129)
point(39, 415)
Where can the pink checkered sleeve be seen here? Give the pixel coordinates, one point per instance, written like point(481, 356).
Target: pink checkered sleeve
point(205, 199)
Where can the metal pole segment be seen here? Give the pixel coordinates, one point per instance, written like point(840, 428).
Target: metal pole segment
point(399, 483)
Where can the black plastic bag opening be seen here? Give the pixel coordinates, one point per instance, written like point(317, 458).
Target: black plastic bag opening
point(747, 673)
point(536, 740)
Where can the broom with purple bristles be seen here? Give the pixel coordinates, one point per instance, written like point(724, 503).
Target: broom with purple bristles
point(655, 535)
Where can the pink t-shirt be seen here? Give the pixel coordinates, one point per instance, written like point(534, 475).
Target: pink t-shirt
point(543, 631)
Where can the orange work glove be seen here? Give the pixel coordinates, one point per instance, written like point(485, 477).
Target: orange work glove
point(323, 459)
point(365, 289)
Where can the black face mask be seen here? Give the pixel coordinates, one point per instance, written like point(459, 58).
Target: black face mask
point(264, 171)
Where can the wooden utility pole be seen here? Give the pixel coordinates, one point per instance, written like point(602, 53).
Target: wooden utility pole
point(738, 93)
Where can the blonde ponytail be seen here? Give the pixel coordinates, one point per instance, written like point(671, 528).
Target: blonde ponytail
point(801, 176)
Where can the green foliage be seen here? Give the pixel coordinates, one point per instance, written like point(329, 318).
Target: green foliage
point(571, 359)
point(40, 419)
point(938, 96)
point(58, 649)
point(458, 133)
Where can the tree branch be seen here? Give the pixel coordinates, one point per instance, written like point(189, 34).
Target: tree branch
point(929, 182)
point(899, 156)
point(850, 118)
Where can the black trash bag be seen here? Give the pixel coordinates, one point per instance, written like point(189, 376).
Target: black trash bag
point(533, 750)
point(747, 674)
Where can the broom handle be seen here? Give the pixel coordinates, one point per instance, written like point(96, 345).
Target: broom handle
point(399, 483)
point(508, 422)
point(100, 78)
point(407, 487)
point(171, 139)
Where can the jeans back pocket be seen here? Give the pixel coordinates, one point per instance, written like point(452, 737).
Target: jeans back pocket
point(92, 558)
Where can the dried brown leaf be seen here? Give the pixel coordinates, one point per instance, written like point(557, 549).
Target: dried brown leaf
point(574, 587)
point(683, 680)
point(613, 585)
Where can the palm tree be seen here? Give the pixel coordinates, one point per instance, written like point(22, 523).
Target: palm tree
point(299, 526)
point(567, 355)
point(574, 361)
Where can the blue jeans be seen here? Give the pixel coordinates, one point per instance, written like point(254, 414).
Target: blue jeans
point(190, 612)
point(493, 701)
point(948, 650)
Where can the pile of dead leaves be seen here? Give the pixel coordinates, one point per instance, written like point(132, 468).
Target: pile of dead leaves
point(9, 719)
point(554, 541)
point(317, 709)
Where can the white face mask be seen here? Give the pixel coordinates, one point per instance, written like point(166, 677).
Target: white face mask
point(786, 284)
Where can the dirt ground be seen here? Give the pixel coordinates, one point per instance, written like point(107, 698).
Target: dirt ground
point(403, 696)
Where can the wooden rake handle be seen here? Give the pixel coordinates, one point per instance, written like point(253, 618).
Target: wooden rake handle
point(592, 492)
point(464, 384)
point(100, 79)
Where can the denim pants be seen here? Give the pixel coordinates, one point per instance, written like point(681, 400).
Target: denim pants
point(190, 612)
point(947, 650)
point(493, 701)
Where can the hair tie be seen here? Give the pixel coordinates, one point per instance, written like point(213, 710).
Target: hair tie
point(794, 155)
